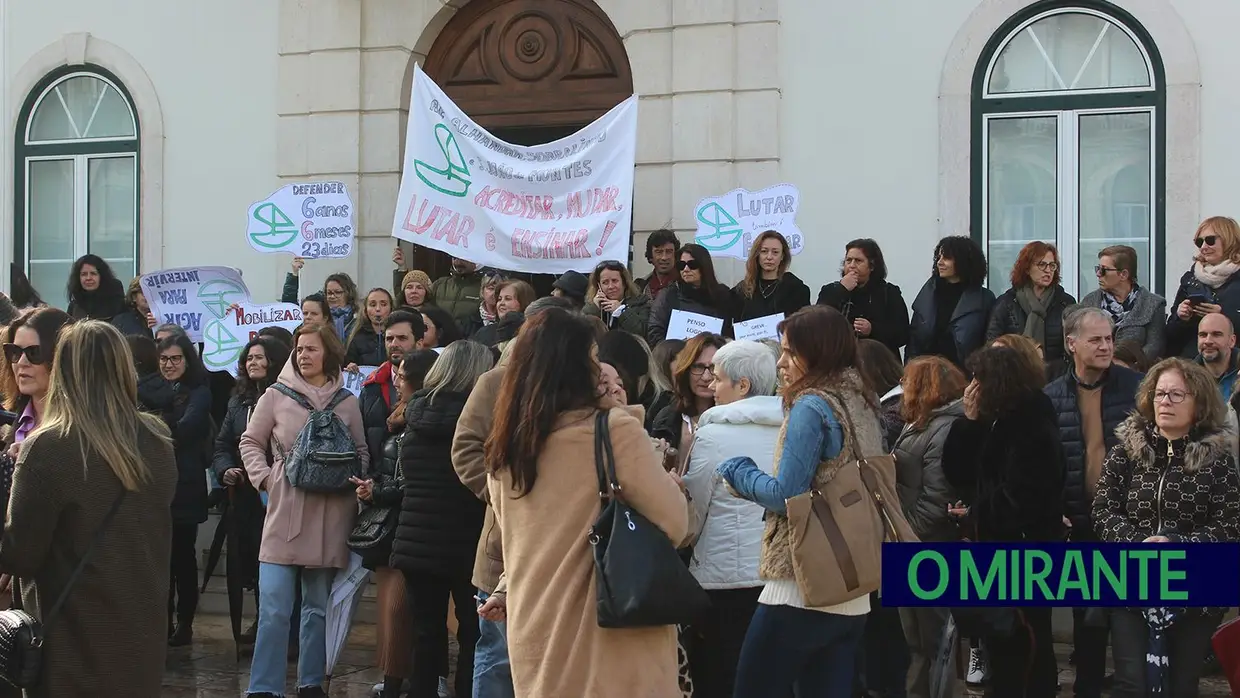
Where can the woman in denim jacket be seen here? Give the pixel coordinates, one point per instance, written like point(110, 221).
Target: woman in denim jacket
point(789, 644)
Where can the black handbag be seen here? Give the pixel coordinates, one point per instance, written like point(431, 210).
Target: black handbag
point(21, 635)
point(376, 524)
point(638, 574)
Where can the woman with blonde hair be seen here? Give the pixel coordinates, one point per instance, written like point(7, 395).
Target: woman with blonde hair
point(95, 479)
point(768, 287)
point(612, 296)
point(1176, 444)
point(1208, 287)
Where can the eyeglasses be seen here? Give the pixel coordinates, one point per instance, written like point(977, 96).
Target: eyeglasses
point(33, 353)
point(171, 360)
point(1047, 266)
point(1103, 271)
point(1210, 240)
point(609, 265)
point(697, 370)
point(1174, 396)
point(683, 264)
point(333, 294)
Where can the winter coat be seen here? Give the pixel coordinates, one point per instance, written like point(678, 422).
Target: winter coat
point(502, 330)
point(789, 295)
point(1010, 472)
point(130, 322)
point(555, 644)
point(472, 430)
point(1007, 317)
point(634, 319)
point(104, 303)
point(440, 518)
point(1191, 497)
point(668, 425)
point(683, 297)
point(728, 528)
point(377, 397)
point(1146, 323)
point(920, 482)
point(155, 394)
point(227, 455)
point(968, 322)
point(880, 302)
point(110, 639)
point(385, 492)
point(1182, 334)
point(459, 294)
point(1119, 395)
point(366, 349)
point(193, 436)
point(303, 529)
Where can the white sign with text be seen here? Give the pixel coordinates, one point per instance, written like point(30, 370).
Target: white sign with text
point(727, 225)
point(758, 328)
point(353, 381)
point(683, 325)
point(313, 220)
point(224, 338)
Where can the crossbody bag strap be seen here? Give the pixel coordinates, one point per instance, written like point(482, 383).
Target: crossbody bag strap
point(600, 468)
point(51, 615)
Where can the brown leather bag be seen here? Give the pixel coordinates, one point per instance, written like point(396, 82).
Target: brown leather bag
point(837, 531)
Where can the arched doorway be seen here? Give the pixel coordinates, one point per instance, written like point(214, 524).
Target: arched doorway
point(530, 72)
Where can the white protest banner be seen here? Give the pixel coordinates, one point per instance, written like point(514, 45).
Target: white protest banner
point(758, 328)
point(314, 221)
point(683, 325)
point(193, 296)
point(353, 381)
point(727, 225)
point(548, 209)
point(224, 338)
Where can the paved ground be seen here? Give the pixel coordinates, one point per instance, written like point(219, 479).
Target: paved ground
point(209, 669)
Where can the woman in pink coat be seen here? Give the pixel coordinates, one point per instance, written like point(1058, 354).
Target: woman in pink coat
point(305, 533)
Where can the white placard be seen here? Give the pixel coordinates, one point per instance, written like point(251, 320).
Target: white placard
point(224, 338)
point(192, 297)
point(548, 209)
point(758, 328)
point(313, 220)
point(727, 225)
point(683, 325)
point(353, 381)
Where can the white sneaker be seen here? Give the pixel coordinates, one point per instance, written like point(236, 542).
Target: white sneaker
point(979, 671)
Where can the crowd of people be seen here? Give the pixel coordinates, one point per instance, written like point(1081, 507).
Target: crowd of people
point(460, 475)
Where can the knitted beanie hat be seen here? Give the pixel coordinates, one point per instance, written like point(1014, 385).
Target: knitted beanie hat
point(418, 276)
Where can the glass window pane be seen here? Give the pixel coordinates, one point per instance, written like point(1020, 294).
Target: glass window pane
point(50, 207)
point(1021, 192)
point(1069, 51)
point(112, 211)
point(49, 279)
point(1114, 196)
point(81, 107)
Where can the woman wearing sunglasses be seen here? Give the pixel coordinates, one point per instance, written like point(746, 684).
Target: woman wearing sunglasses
point(697, 291)
point(1208, 287)
point(1035, 304)
point(615, 299)
point(1139, 314)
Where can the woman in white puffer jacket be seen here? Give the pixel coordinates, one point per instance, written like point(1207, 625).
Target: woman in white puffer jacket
point(745, 421)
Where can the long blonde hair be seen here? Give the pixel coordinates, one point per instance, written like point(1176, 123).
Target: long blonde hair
point(93, 394)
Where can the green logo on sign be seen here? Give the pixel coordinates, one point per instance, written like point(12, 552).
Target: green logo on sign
point(280, 230)
point(727, 230)
point(451, 180)
point(219, 346)
point(219, 294)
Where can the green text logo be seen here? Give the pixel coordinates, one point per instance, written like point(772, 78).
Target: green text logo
point(280, 230)
point(219, 346)
point(219, 294)
point(451, 180)
point(726, 230)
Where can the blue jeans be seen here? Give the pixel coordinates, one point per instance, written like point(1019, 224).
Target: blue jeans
point(789, 649)
point(277, 587)
point(492, 675)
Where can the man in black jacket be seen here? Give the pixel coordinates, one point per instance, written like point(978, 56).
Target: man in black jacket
point(401, 333)
point(1090, 400)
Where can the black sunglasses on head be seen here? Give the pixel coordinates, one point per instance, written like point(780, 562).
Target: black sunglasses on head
point(1210, 240)
point(34, 353)
point(687, 264)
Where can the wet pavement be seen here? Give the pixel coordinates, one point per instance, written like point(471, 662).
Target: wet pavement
point(210, 669)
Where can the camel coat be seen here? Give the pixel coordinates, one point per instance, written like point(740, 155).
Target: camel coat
point(555, 645)
point(302, 529)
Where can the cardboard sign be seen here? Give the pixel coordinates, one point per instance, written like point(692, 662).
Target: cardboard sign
point(224, 338)
point(313, 220)
point(758, 328)
point(353, 381)
point(683, 325)
point(193, 297)
point(727, 225)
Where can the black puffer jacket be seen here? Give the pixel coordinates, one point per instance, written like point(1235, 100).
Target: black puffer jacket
point(376, 400)
point(131, 323)
point(879, 302)
point(501, 330)
point(1010, 473)
point(967, 326)
point(683, 297)
point(387, 492)
point(155, 394)
point(245, 502)
point(924, 492)
point(440, 518)
point(366, 349)
point(1182, 334)
point(1008, 317)
point(1119, 394)
point(788, 294)
point(104, 303)
point(192, 436)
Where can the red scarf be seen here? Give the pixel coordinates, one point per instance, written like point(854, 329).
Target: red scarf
point(382, 376)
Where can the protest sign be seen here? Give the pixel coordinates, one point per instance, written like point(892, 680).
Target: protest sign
point(314, 221)
point(727, 225)
point(193, 296)
point(353, 381)
point(683, 325)
point(224, 338)
point(543, 209)
point(758, 328)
